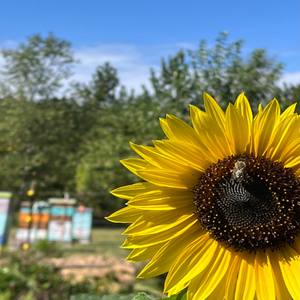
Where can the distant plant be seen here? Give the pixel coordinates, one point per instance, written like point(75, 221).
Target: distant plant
point(36, 68)
point(24, 276)
point(44, 247)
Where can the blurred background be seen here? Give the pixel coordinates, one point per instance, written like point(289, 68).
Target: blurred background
point(78, 81)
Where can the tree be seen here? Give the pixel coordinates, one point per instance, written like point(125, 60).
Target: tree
point(101, 89)
point(288, 95)
point(40, 142)
point(37, 68)
point(224, 73)
point(76, 143)
point(99, 170)
point(176, 85)
point(220, 71)
point(181, 80)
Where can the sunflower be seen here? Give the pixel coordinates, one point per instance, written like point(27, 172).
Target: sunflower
point(219, 210)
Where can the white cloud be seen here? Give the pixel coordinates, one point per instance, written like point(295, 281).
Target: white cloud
point(290, 78)
point(8, 44)
point(132, 62)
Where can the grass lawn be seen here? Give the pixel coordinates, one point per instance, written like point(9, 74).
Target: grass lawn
point(105, 241)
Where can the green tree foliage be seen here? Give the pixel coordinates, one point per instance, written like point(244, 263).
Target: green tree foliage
point(75, 144)
point(177, 85)
point(102, 87)
point(288, 95)
point(220, 71)
point(127, 119)
point(26, 276)
point(37, 68)
point(119, 119)
point(40, 143)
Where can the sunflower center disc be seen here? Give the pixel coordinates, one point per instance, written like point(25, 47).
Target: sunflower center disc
point(250, 203)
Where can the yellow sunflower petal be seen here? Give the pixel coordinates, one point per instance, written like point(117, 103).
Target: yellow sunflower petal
point(289, 263)
point(165, 257)
point(263, 127)
point(219, 291)
point(212, 135)
point(152, 155)
point(146, 153)
point(232, 278)
point(259, 111)
point(265, 288)
point(191, 261)
point(214, 110)
point(178, 130)
point(169, 178)
point(125, 215)
point(153, 221)
point(293, 163)
point(245, 285)
point(243, 105)
point(178, 288)
point(135, 164)
point(291, 154)
point(185, 133)
point(130, 191)
point(205, 283)
point(280, 287)
point(289, 111)
point(237, 128)
point(140, 254)
point(141, 241)
point(285, 133)
point(296, 244)
point(195, 157)
point(163, 199)
point(199, 119)
point(173, 216)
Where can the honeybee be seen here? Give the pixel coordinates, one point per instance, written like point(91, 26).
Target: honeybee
point(239, 170)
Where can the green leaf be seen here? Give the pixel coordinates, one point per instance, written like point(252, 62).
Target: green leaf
point(180, 296)
point(142, 296)
point(116, 297)
point(85, 297)
point(139, 296)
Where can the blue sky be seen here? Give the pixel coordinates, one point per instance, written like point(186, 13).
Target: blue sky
point(133, 35)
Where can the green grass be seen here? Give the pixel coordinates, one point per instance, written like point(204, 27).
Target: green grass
point(107, 242)
point(104, 241)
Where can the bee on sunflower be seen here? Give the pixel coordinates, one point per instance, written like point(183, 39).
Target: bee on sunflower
point(219, 210)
